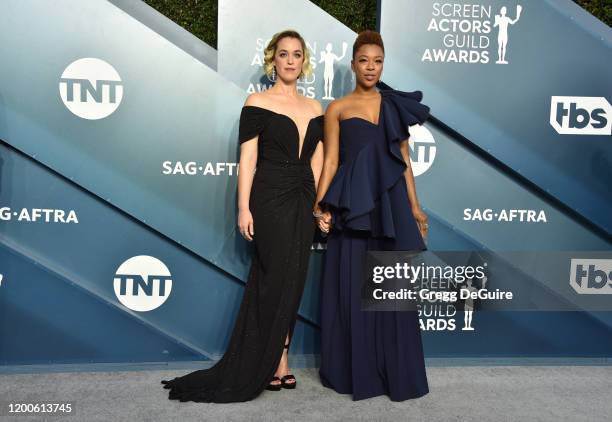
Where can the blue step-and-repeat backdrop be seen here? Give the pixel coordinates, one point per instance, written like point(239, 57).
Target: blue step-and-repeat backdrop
point(119, 152)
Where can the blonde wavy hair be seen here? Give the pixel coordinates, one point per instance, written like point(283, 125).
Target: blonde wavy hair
point(270, 52)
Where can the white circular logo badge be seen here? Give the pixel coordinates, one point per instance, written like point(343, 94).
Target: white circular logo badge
point(142, 283)
point(91, 88)
point(422, 147)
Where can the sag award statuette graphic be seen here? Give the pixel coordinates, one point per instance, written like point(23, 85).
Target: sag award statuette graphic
point(329, 58)
point(502, 21)
point(468, 306)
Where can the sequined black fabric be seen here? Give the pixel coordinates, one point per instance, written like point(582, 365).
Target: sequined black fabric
point(281, 201)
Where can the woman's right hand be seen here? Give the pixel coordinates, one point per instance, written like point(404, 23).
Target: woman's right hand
point(245, 224)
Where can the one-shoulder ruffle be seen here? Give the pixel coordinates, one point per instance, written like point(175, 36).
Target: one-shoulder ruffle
point(359, 193)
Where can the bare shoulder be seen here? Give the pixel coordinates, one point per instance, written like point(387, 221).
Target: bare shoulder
point(257, 99)
point(335, 108)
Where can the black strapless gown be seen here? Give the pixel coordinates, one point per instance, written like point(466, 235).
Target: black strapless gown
point(370, 353)
point(281, 201)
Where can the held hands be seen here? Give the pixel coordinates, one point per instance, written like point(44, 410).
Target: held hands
point(323, 219)
point(245, 224)
point(421, 220)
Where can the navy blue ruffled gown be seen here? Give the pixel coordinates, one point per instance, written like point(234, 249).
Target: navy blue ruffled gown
point(370, 353)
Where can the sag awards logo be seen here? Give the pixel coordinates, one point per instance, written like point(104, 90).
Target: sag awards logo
point(142, 283)
point(467, 32)
point(591, 276)
point(326, 58)
point(91, 88)
point(581, 115)
point(422, 149)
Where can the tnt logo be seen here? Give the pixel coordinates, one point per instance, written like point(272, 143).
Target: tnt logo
point(91, 88)
point(581, 115)
point(422, 149)
point(591, 276)
point(142, 283)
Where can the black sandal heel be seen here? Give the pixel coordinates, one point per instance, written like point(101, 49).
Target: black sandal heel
point(274, 387)
point(288, 385)
point(283, 380)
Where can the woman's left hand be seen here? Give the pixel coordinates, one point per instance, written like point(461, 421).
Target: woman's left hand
point(421, 220)
point(324, 221)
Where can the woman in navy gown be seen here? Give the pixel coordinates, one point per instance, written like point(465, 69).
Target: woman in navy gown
point(370, 204)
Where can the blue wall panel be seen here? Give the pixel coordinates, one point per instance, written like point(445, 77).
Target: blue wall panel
point(177, 111)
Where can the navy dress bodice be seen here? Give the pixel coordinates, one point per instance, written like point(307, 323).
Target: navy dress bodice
point(369, 192)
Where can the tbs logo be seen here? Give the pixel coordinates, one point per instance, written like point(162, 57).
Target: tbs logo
point(581, 115)
point(591, 276)
point(142, 283)
point(91, 88)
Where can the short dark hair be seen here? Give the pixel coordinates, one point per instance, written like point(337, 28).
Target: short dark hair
point(368, 37)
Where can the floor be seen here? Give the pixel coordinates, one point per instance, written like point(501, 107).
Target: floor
point(457, 393)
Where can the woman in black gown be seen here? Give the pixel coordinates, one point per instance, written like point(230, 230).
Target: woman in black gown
point(370, 204)
point(279, 134)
